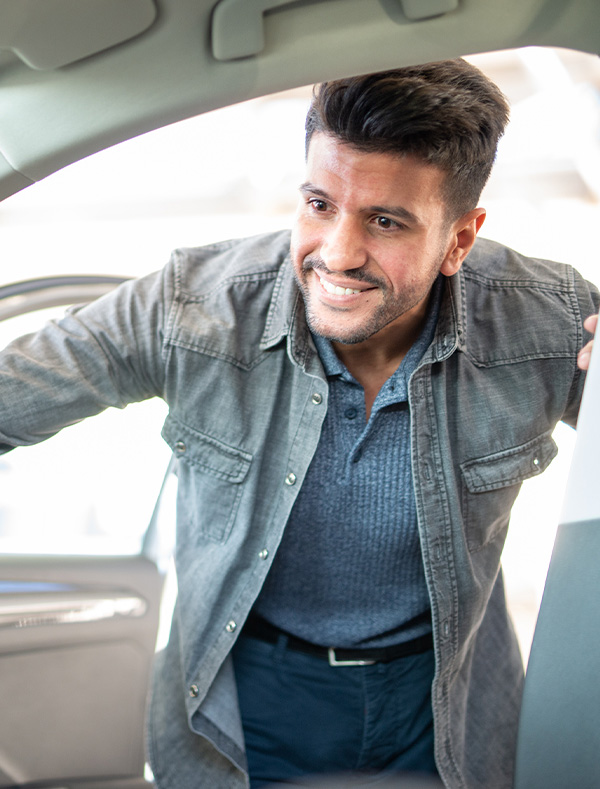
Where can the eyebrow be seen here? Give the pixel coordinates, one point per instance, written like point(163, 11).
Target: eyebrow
point(397, 211)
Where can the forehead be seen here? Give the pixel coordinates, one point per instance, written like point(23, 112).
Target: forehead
point(373, 176)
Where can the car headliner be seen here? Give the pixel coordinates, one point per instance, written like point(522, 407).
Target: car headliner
point(76, 78)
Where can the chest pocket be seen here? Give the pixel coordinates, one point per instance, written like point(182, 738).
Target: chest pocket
point(210, 476)
point(491, 485)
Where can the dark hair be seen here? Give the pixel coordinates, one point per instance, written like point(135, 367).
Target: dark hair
point(448, 114)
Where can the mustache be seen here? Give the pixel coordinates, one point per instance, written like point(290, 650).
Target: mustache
point(357, 274)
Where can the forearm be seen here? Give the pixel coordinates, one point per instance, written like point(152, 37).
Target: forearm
point(106, 354)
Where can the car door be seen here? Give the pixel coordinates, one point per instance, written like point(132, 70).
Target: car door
point(79, 603)
point(558, 731)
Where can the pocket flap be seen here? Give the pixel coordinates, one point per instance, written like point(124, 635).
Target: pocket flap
point(510, 466)
point(206, 452)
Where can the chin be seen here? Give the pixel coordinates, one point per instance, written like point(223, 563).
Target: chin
point(348, 335)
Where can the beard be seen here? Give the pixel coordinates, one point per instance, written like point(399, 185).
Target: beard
point(390, 307)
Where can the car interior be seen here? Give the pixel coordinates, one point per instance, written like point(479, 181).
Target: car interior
point(78, 632)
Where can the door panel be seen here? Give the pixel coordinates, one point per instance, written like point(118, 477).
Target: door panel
point(75, 656)
point(559, 740)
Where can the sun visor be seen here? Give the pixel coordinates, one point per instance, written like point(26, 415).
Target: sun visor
point(48, 34)
point(12, 181)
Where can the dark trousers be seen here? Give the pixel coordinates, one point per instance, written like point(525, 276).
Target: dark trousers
point(303, 717)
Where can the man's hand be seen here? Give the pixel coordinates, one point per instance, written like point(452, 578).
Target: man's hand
point(583, 358)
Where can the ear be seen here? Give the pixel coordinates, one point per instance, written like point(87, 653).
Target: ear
point(461, 238)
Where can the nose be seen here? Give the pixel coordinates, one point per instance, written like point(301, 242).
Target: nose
point(343, 246)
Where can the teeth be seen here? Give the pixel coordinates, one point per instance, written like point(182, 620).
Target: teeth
point(336, 290)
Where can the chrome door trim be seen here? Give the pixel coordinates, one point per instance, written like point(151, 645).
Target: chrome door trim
point(21, 611)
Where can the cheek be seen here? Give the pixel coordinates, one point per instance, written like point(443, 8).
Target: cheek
point(396, 270)
point(298, 251)
point(409, 266)
point(304, 239)
point(295, 248)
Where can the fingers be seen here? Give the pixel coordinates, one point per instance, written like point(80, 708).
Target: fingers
point(583, 358)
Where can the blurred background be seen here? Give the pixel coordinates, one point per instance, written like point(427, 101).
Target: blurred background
point(235, 172)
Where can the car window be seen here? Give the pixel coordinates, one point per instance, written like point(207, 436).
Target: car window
point(225, 174)
point(91, 489)
point(235, 172)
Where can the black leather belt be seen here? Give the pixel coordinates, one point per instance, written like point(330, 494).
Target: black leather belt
point(259, 628)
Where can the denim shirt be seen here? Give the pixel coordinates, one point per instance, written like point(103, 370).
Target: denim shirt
point(221, 335)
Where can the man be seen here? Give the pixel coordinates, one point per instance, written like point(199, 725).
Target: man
point(353, 419)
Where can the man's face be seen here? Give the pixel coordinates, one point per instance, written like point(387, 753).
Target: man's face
point(369, 239)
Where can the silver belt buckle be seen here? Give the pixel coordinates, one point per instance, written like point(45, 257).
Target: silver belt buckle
point(333, 661)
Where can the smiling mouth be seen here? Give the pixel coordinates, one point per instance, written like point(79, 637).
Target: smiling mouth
point(337, 290)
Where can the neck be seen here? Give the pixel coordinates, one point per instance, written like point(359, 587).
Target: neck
point(373, 361)
point(383, 352)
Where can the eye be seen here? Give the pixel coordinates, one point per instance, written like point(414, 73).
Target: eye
point(318, 205)
point(385, 223)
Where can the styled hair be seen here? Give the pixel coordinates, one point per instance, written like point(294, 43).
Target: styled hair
point(448, 114)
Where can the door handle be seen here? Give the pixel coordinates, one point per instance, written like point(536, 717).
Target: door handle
point(20, 611)
point(238, 29)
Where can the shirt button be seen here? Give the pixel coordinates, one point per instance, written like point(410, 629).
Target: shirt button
point(180, 447)
point(290, 479)
point(231, 626)
point(316, 398)
point(350, 413)
point(194, 691)
point(263, 554)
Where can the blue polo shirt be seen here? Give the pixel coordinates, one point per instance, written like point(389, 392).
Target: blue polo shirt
point(349, 572)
